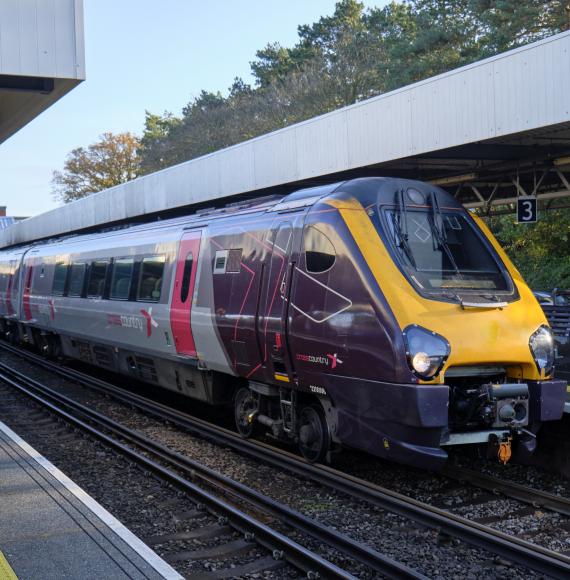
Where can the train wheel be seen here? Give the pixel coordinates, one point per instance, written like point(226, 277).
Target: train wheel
point(245, 407)
point(314, 436)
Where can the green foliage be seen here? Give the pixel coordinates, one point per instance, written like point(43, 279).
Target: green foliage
point(156, 137)
point(275, 63)
point(540, 251)
point(424, 38)
point(506, 24)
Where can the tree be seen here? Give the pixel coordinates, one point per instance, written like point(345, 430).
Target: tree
point(110, 161)
point(353, 54)
point(275, 63)
point(156, 141)
point(506, 24)
point(540, 251)
point(340, 45)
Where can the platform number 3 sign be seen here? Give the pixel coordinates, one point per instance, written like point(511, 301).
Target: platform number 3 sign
point(526, 210)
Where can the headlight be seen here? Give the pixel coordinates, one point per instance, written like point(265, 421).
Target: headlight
point(541, 345)
point(426, 351)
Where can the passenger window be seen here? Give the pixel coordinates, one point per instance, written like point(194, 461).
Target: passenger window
point(185, 288)
point(76, 278)
point(319, 252)
point(97, 276)
point(59, 278)
point(122, 275)
point(150, 281)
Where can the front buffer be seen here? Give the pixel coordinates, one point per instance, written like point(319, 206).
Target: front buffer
point(410, 423)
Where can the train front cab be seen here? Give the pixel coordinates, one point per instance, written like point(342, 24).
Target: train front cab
point(422, 335)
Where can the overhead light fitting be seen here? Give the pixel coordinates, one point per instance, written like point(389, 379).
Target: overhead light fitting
point(455, 179)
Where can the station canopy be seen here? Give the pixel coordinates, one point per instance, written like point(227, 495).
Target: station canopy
point(22, 99)
point(41, 58)
point(488, 132)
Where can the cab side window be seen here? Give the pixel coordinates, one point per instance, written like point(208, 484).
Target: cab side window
point(150, 280)
point(320, 254)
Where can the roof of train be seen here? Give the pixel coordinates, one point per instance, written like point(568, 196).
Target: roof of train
point(297, 199)
point(369, 190)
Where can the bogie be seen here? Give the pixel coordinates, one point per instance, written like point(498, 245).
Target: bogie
point(286, 416)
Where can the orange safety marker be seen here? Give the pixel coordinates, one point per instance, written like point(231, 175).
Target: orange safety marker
point(505, 451)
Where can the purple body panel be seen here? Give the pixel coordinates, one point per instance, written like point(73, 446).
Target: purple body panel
point(391, 420)
point(341, 313)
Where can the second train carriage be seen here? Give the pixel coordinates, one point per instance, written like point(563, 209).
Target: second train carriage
point(375, 313)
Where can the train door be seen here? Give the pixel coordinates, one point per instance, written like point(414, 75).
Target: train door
point(26, 295)
point(273, 323)
point(12, 273)
point(183, 293)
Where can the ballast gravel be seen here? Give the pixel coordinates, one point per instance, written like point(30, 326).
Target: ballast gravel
point(141, 502)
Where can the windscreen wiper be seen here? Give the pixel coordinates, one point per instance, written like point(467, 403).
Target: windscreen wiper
point(471, 304)
point(402, 232)
point(440, 233)
point(493, 301)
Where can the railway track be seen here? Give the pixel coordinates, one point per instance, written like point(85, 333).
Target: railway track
point(534, 497)
point(178, 470)
point(191, 523)
point(482, 536)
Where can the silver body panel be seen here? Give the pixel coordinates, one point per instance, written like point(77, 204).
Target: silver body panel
point(115, 322)
point(204, 329)
point(121, 325)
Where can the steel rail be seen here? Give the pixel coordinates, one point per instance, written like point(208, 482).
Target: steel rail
point(192, 469)
point(294, 553)
point(533, 556)
point(535, 497)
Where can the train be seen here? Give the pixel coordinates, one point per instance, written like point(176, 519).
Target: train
point(375, 314)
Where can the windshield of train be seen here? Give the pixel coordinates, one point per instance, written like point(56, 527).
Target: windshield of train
point(442, 253)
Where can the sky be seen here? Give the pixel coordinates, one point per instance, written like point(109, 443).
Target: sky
point(144, 55)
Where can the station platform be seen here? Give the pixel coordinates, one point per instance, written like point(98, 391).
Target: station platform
point(50, 528)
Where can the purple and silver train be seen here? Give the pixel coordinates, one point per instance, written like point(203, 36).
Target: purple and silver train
point(375, 314)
